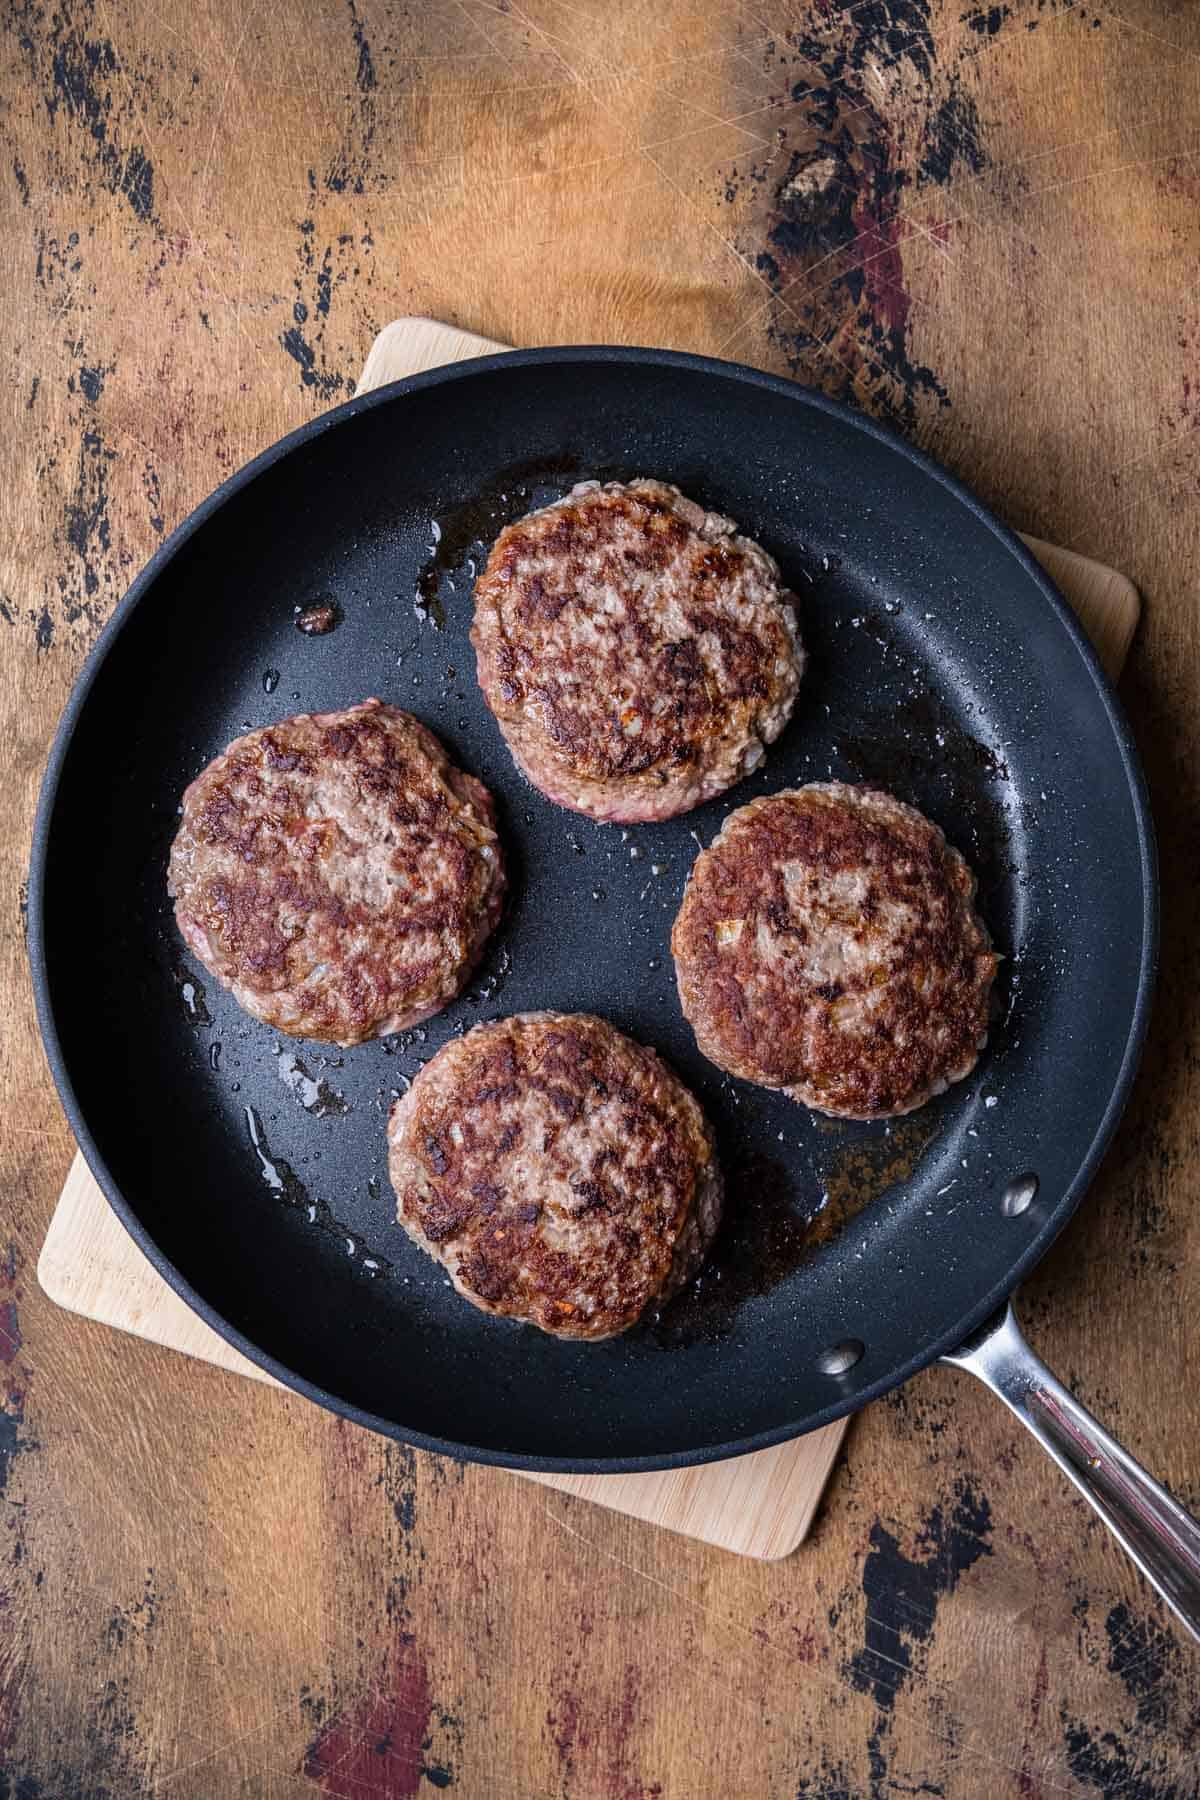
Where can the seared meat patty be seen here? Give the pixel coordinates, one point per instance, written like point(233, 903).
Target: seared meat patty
point(828, 945)
point(558, 1171)
point(637, 653)
point(338, 873)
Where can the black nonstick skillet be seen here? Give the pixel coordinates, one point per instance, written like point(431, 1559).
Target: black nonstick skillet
point(944, 666)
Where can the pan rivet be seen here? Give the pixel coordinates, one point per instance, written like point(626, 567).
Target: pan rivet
point(1018, 1195)
point(841, 1357)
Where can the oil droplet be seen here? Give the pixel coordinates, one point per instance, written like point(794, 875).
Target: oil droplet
point(191, 992)
point(490, 985)
point(311, 1092)
point(320, 618)
point(270, 680)
point(426, 601)
point(279, 1176)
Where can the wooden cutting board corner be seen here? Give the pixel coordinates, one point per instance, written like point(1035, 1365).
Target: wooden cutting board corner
point(760, 1505)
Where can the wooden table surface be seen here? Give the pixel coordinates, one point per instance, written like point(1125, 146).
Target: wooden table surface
point(979, 222)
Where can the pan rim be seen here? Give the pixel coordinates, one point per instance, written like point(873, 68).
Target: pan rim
point(1057, 1216)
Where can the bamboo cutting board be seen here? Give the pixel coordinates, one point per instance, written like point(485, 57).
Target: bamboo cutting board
point(760, 1505)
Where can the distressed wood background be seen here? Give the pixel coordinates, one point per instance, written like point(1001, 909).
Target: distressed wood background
point(979, 222)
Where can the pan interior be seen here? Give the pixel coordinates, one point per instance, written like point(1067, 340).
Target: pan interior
point(938, 668)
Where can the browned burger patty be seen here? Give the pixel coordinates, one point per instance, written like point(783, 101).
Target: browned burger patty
point(338, 873)
point(828, 945)
point(558, 1171)
point(637, 653)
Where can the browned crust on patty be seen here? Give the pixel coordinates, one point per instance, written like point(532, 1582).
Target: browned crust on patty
point(828, 945)
point(637, 653)
point(560, 1172)
point(338, 873)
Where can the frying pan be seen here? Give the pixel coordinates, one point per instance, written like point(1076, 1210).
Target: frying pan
point(251, 1170)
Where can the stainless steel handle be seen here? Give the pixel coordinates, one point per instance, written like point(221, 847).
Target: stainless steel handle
point(1163, 1540)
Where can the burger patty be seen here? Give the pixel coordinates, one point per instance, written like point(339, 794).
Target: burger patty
point(637, 653)
point(828, 945)
point(561, 1173)
point(337, 873)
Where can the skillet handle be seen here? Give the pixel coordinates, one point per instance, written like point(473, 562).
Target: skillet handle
point(1162, 1539)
